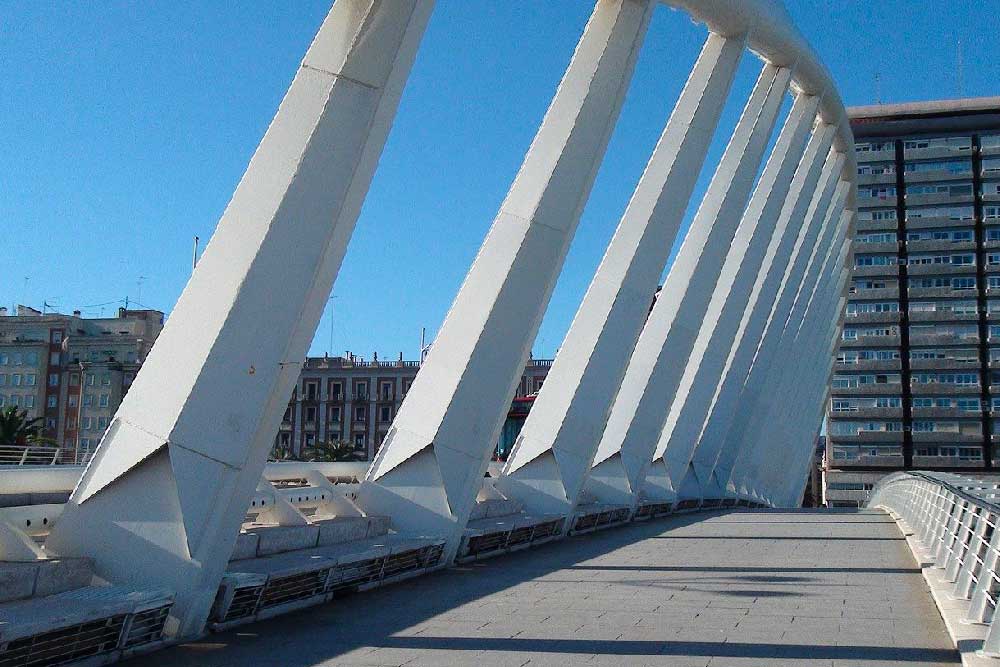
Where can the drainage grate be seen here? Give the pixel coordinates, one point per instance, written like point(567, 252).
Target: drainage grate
point(146, 626)
point(520, 536)
point(65, 645)
point(358, 573)
point(405, 561)
point(280, 590)
point(481, 544)
point(585, 521)
point(547, 529)
point(244, 603)
point(432, 555)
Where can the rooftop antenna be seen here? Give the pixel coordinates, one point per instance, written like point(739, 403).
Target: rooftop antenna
point(138, 289)
point(194, 255)
point(878, 87)
point(960, 70)
point(424, 346)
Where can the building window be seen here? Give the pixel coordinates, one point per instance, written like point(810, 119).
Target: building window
point(359, 441)
point(54, 359)
point(53, 379)
point(336, 391)
point(106, 379)
point(335, 414)
point(88, 400)
point(87, 423)
point(360, 413)
point(385, 414)
point(74, 400)
point(74, 379)
point(310, 414)
point(56, 337)
point(361, 391)
point(311, 390)
point(29, 401)
point(105, 400)
point(91, 379)
point(15, 380)
point(30, 379)
point(385, 391)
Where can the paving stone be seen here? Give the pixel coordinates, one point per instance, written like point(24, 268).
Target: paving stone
point(731, 589)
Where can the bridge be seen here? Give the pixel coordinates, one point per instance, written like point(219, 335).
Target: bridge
point(179, 531)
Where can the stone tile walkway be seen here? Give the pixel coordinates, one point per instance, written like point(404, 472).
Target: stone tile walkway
point(753, 588)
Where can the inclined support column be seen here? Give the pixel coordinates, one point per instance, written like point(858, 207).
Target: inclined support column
point(740, 271)
point(751, 354)
point(555, 449)
point(162, 502)
point(430, 467)
point(670, 331)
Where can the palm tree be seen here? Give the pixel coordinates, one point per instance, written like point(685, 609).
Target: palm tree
point(18, 432)
point(330, 451)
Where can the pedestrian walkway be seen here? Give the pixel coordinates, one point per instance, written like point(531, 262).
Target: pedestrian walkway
point(755, 588)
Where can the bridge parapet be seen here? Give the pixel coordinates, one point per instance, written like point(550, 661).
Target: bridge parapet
point(951, 523)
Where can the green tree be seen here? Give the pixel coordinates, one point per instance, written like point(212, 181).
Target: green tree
point(18, 432)
point(329, 451)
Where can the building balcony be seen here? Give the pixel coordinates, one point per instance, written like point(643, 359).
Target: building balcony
point(941, 389)
point(868, 390)
point(872, 341)
point(870, 438)
point(943, 364)
point(945, 462)
point(989, 149)
point(891, 270)
point(993, 316)
point(870, 365)
point(872, 318)
point(868, 413)
point(942, 316)
point(992, 268)
point(887, 155)
point(883, 294)
point(991, 197)
point(934, 152)
point(937, 198)
point(939, 175)
point(942, 413)
point(947, 292)
point(875, 225)
point(883, 247)
point(941, 270)
point(937, 222)
point(991, 245)
point(861, 459)
point(876, 202)
point(877, 179)
point(936, 245)
point(943, 339)
point(956, 439)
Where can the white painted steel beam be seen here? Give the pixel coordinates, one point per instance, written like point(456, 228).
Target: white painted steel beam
point(555, 448)
point(162, 501)
point(792, 376)
point(672, 327)
point(430, 467)
point(763, 226)
point(785, 378)
point(768, 317)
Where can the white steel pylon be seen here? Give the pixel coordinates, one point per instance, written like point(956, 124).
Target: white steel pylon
point(658, 360)
point(162, 501)
point(431, 465)
point(553, 453)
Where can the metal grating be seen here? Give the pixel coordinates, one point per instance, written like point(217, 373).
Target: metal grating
point(433, 555)
point(547, 529)
point(405, 561)
point(358, 573)
point(146, 626)
point(280, 590)
point(65, 645)
point(585, 522)
point(481, 544)
point(244, 603)
point(520, 536)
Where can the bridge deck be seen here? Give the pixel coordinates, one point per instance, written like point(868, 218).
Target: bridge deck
point(757, 588)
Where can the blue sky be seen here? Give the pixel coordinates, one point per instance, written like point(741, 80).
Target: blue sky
point(124, 128)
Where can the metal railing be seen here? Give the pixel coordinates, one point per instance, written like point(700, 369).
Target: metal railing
point(41, 455)
point(954, 519)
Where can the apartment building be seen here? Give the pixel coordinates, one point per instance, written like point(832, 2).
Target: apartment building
point(917, 375)
point(72, 371)
point(348, 399)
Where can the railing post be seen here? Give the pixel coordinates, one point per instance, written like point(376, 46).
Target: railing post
point(974, 555)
